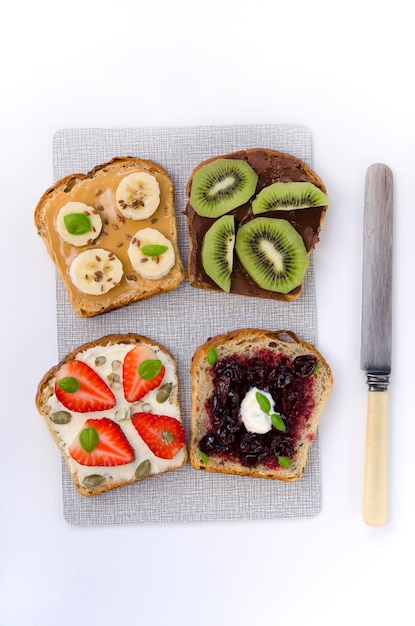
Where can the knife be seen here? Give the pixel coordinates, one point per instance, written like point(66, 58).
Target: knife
point(376, 336)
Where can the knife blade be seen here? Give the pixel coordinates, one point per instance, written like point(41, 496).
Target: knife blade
point(376, 336)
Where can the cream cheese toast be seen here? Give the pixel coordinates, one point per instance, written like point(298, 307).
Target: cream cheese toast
point(111, 406)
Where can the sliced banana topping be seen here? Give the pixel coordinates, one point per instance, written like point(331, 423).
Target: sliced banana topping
point(95, 271)
point(138, 196)
point(151, 253)
point(78, 223)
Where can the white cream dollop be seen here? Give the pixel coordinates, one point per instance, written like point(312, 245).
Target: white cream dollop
point(253, 417)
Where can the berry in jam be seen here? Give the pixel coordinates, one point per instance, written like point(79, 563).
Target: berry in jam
point(290, 383)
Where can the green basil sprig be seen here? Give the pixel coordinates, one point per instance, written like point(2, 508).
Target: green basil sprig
point(265, 405)
point(204, 457)
point(149, 369)
point(69, 384)
point(153, 250)
point(89, 439)
point(212, 355)
point(77, 223)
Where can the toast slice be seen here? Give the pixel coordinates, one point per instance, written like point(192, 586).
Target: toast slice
point(302, 213)
point(257, 396)
point(95, 227)
point(111, 405)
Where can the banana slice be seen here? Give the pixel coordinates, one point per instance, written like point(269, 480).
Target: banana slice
point(95, 271)
point(151, 253)
point(78, 223)
point(138, 196)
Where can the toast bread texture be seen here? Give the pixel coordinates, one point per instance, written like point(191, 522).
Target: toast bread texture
point(109, 351)
point(98, 190)
point(248, 343)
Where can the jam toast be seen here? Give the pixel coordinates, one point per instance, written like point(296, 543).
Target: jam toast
point(257, 397)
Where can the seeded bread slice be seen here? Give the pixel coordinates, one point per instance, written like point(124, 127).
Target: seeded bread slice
point(249, 342)
point(106, 348)
point(97, 188)
point(271, 166)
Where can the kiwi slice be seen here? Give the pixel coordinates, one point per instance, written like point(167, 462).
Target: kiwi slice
point(289, 196)
point(273, 253)
point(217, 251)
point(222, 185)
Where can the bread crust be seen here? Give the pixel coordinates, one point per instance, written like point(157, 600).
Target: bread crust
point(300, 171)
point(249, 341)
point(85, 305)
point(308, 172)
point(45, 391)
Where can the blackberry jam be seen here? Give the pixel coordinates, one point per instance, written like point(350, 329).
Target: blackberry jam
point(289, 382)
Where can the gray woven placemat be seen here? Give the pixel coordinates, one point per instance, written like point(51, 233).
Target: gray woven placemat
point(181, 320)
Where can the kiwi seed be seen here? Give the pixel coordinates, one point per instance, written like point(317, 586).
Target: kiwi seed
point(288, 196)
point(273, 253)
point(221, 186)
point(217, 251)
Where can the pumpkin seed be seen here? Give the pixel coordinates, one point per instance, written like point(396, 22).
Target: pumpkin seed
point(167, 436)
point(93, 480)
point(143, 470)
point(122, 414)
point(147, 408)
point(164, 392)
point(100, 360)
point(60, 417)
point(113, 378)
point(115, 364)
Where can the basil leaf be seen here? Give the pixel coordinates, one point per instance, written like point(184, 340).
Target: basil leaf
point(204, 457)
point(89, 439)
point(149, 369)
point(69, 384)
point(284, 461)
point(153, 250)
point(77, 223)
point(278, 422)
point(212, 355)
point(263, 402)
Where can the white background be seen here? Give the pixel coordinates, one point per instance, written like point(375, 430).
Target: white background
point(347, 72)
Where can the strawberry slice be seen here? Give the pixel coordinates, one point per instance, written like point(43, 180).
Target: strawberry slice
point(142, 372)
point(164, 435)
point(101, 443)
point(80, 389)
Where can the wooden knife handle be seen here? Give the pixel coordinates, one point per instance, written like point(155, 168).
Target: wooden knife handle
point(375, 499)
